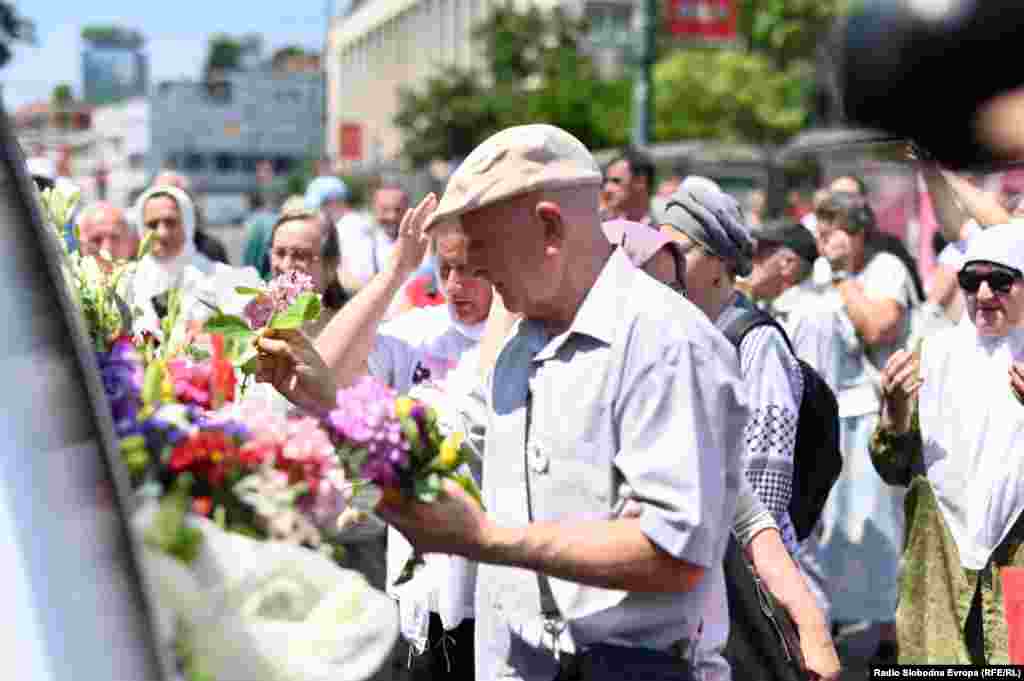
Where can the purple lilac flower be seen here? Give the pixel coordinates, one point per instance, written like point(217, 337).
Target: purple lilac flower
point(366, 417)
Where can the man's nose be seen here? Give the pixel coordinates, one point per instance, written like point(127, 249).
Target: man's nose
point(984, 292)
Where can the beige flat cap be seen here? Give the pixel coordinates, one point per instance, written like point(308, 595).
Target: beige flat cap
point(515, 161)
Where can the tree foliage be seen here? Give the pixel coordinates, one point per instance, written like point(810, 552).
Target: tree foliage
point(761, 92)
point(113, 35)
point(62, 96)
point(223, 53)
point(532, 70)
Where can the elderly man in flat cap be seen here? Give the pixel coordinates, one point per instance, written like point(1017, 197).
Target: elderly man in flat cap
point(615, 421)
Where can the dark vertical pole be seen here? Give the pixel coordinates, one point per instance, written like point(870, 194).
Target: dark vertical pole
point(643, 86)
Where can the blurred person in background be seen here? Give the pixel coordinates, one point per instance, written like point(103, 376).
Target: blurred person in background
point(366, 253)
point(103, 228)
point(810, 221)
point(258, 228)
point(208, 245)
point(756, 203)
point(167, 212)
point(628, 184)
point(873, 294)
point(304, 240)
point(331, 196)
point(880, 240)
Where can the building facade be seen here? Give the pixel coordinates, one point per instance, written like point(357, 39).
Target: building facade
point(383, 45)
point(218, 135)
point(112, 73)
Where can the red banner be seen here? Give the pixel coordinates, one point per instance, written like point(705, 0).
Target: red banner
point(350, 141)
point(708, 20)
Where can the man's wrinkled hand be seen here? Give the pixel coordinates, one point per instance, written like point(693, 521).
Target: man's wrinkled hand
point(289, 362)
point(454, 524)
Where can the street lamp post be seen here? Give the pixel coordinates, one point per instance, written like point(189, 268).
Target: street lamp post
point(643, 86)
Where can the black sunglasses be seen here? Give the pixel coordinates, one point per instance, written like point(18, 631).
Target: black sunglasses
point(999, 281)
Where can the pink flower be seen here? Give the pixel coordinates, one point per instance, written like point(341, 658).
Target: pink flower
point(280, 293)
point(191, 381)
point(258, 311)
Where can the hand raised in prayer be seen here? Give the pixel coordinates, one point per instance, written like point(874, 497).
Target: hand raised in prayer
point(900, 382)
point(289, 362)
point(1017, 380)
point(453, 524)
point(411, 244)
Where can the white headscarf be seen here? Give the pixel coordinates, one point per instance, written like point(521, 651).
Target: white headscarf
point(971, 424)
point(154, 276)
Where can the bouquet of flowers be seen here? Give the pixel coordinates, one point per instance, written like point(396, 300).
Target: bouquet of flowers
point(239, 512)
point(98, 290)
point(392, 445)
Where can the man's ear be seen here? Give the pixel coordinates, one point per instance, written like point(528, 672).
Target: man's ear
point(550, 215)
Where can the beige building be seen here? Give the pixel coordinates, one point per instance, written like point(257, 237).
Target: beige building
point(382, 45)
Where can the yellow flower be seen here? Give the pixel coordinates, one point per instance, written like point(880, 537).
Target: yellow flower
point(403, 406)
point(449, 457)
point(167, 390)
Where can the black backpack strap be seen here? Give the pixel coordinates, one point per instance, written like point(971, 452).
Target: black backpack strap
point(748, 320)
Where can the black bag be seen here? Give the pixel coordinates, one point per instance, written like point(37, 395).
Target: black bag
point(817, 459)
point(763, 642)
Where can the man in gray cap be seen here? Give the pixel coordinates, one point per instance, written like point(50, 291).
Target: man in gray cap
point(614, 433)
point(709, 227)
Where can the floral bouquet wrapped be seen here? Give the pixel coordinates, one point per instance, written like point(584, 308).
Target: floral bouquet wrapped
point(240, 507)
point(393, 445)
point(98, 290)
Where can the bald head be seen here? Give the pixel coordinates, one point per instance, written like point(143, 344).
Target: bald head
point(169, 178)
point(103, 227)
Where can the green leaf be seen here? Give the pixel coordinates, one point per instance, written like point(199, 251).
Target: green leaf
point(152, 385)
point(306, 308)
point(428, 489)
point(250, 364)
point(229, 326)
point(247, 291)
point(467, 483)
point(409, 569)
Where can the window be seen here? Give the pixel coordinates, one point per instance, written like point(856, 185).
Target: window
point(248, 164)
point(226, 163)
point(194, 162)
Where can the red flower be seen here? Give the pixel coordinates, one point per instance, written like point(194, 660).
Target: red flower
point(423, 292)
point(206, 454)
point(222, 375)
point(202, 505)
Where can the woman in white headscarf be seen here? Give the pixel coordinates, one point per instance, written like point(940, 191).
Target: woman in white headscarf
point(952, 430)
point(170, 215)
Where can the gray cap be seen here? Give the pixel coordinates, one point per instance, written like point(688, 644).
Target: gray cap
point(701, 210)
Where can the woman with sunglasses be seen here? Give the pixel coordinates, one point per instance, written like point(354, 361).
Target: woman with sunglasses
point(951, 431)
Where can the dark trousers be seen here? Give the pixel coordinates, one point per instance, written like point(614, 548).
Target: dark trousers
point(449, 655)
point(605, 662)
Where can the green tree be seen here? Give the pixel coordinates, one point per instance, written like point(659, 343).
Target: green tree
point(114, 35)
point(223, 53)
point(761, 92)
point(533, 69)
point(62, 95)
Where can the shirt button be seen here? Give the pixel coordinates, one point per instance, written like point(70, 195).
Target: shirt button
point(538, 460)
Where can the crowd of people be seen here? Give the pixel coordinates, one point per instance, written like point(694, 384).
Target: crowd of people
point(634, 365)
